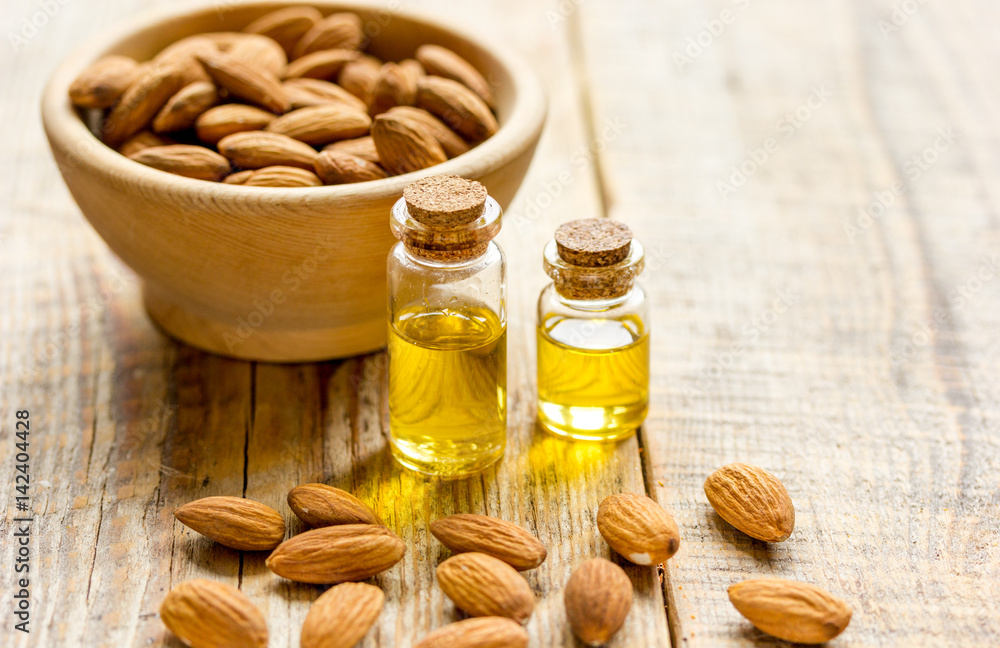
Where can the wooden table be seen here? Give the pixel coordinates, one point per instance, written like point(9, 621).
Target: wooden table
point(817, 186)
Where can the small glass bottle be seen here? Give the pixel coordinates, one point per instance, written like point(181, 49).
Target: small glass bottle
point(447, 329)
point(593, 333)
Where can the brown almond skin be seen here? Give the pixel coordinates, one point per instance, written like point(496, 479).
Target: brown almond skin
point(482, 585)
point(256, 86)
point(336, 31)
point(182, 55)
point(240, 177)
point(450, 141)
point(324, 64)
point(363, 147)
point(335, 554)
point(183, 109)
point(260, 52)
point(457, 106)
point(790, 610)
point(234, 522)
point(143, 140)
point(395, 85)
point(404, 146)
point(320, 125)
point(321, 505)
point(358, 76)
point(101, 84)
point(259, 149)
point(342, 616)
point(220, 121)
point(480, 632)
point(336, 167)
point(752, 500)
point(208, 614)
point(442, 62)
point(282, 176)
point(598, 597)
point(305, 92)
point(285, 26)
point(638, 528)
point(492, 536)
point(140, 103)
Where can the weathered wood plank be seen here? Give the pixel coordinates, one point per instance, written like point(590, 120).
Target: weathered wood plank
point(789, 334)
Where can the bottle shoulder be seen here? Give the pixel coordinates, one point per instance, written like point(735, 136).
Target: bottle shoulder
point(633, 304)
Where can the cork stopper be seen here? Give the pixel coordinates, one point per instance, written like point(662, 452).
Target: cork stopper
point(593, 242)
point(445, 201)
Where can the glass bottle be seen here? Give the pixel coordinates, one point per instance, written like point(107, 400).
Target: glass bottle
point(593, 333)
point(447, 329)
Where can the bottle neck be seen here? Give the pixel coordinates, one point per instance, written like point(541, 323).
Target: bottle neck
point(597, 304)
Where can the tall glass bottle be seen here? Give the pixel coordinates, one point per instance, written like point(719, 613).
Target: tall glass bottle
point(447, 329)
point(593, 333)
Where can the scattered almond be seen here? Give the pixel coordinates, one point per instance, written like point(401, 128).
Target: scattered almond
point(482, 585)
point(182, 110)
point(207, 614)
point(481, 632)
point(320, 505)
point(789, 610)
point(752, 500)
point(336, 31)
point(101, 84)
point(443, 62)
point(319, 125)
point(285, 26)
point(638, 528)
point(334, 554)
point(337, 167)
point(598, 597)
point(457, 106)
point(323, 64)
point(140, 103)
point(233, 522)
point(404, 146)
point(282, 176)
point(341, 616)
point(220, 121)
point(492, 536)
point(257, 149)
point(259, 87)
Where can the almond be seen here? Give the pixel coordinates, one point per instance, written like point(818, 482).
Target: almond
point(324, 64)
point(638, 528)
point(449, 140)
point(404, 146)
point(260, 52)
point(336, 31)
point(482, 585)
point(457, 106)
point(234, 522)
point(240, 177)
point(394, 86)
point(306, 92)
point(182, 55)
point(598, 597)
point(285, 26)
point(223, 41)
point(220, 121)
point(789, 610)
point(414, 67)
point(334, 554)
point(282, 176)
point(337, 167)
point(207, 614)
point(182, 110)
point(143, 140)
point(101, 84)
point(319, 125)
point(363, 147)
point(140, 103)
point(259, 87)
point(498, 538)
point(341, 616)
point(752, 500)
point(320, 505)
point(257, 149)
point(443, 62)
point(482, 632)
point(358, 76)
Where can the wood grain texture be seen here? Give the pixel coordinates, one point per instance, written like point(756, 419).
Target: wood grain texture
point(854, 359)
point(131, 425)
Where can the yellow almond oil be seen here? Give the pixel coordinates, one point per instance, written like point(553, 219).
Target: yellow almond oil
point(447, 389)
point(593, 376)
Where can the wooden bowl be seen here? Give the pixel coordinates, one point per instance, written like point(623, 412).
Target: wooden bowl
point(273, 274)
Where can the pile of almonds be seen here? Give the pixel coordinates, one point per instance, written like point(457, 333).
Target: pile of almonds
point(350, 543)
point(291, 101)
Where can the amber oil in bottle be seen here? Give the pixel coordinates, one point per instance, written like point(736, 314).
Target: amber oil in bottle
point(593, 337)
point(447, 330)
